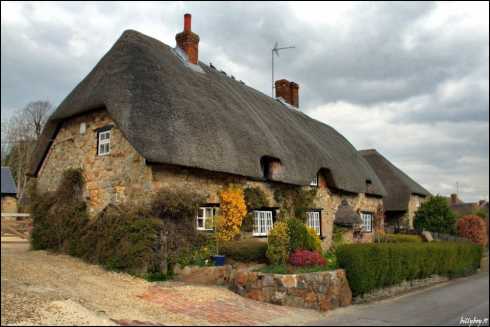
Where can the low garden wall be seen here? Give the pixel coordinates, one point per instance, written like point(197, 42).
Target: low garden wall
point(403, 287)
point(325, 290)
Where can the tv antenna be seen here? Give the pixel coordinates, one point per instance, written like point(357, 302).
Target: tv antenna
point(275, 51)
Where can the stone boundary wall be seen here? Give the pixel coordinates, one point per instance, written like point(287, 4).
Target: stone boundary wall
point(399, 289)
point(324, 290)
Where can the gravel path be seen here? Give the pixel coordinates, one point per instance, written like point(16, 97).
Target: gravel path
point(41, 288)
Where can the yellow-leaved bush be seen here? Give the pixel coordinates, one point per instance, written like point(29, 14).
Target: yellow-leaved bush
point(315, 241)
point(278, 243)
point(232, 211)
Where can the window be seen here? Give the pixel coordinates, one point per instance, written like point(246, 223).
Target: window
point(367, 221)
point(262, 223)
point(104, 144)
point(205, 218)
point(314, 181)
point(313, 221)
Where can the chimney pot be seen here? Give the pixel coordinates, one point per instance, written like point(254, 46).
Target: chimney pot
point(188, 41)
point(288, 91)
point(187, 22)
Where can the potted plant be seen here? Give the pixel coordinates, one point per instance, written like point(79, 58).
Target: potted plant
point(218, 260)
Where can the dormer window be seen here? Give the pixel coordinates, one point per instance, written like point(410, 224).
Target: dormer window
point(271, 167)
point(104, 141)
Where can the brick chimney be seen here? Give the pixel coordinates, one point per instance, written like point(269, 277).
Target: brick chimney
point(188, 41)
point(454, 199)
point(289, 91)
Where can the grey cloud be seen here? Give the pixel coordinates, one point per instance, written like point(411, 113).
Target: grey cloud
point(365, 61)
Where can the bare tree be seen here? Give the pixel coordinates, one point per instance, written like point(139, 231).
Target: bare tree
point(36, 116)
point(19, 136)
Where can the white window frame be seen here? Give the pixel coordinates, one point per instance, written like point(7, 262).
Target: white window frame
point(103, 141)
point(367, 221)
point(313, 220)
point(205, 213)
point(314, 181)
point(263, 222)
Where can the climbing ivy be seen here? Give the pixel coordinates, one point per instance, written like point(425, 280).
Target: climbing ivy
point(254, 198)
point(294, 202)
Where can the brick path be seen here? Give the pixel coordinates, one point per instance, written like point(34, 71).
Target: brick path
point(222, 308)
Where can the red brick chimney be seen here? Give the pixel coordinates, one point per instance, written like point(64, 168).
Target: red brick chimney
point(288, 91)
point(454, 199)
point(188, 40)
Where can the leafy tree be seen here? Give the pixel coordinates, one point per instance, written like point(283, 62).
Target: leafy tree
point(232, 211)
point(435, 216)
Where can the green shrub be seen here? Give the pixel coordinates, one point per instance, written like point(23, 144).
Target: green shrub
point(314, 241)
point(177, 211)
point(255, 198)
point(277, 244)
point(375, 266)
point(299, 238)
point(122, 239)
point(435, 215)
point(59, 218)
point(245, 250)
point(119, 237)
point(399, 238)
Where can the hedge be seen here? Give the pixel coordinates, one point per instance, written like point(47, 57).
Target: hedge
point(245, 250)
point(375, 266)
point(399, 238)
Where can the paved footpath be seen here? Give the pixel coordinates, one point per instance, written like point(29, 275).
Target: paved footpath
point(41, 288)
point(441, 305)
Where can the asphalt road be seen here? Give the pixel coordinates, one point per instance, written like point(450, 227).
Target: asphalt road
point(441, 305)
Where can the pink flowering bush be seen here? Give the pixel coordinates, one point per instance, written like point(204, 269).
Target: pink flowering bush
point(306, 258)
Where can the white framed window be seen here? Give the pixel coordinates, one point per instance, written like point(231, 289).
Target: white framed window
point(104, 147)
point(367, 221)
point(314, 181)
point(313, 221)
point(205, 218)
point(262, 222)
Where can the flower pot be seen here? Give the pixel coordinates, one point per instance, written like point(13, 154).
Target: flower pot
point(219, 260)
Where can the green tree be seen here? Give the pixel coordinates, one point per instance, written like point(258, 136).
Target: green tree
point(435, 215)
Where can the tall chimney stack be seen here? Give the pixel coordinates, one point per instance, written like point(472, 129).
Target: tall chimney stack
point(188, 41)
point(289, 91)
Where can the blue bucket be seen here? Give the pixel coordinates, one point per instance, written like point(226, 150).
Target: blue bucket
point(219, 260)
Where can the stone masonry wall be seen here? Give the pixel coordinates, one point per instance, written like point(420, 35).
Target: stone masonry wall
point(413, 204)
point(123, 175)
point(120, 176)
point(9, 204)
point(323, 291)
point(210, 183)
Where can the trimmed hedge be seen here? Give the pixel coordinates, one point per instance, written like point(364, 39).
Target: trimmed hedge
point(375, 266)
point(245, 250)
point(399, 238)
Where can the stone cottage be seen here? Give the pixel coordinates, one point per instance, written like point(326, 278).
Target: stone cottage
point(150, 117)
point(404, 195)
point(9, 192)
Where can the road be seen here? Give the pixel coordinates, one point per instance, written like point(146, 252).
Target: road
point(441, 305)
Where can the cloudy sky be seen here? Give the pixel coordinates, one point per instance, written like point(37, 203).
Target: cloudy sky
point(409, 79)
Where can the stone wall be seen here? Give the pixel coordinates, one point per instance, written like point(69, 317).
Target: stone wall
point(323, 291)
point(401, 288)
point(413, 204)
point(9, 204)
point(166, 177)
point(120, 176)
point(123, 175)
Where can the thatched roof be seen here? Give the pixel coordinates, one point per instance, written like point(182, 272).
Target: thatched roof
point(8, 183)
point(173, 114)
point(346, 216)
point(398, 185)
